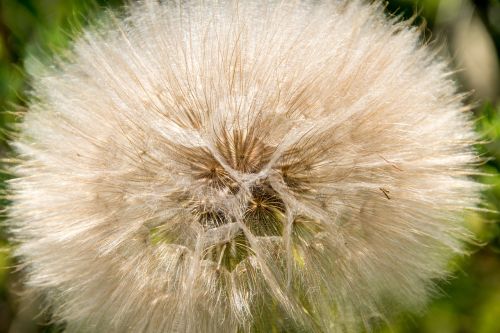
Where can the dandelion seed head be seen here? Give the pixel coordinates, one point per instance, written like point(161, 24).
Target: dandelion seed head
point(221, 166)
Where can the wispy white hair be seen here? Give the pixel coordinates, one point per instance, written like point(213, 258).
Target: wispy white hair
point(242, 166)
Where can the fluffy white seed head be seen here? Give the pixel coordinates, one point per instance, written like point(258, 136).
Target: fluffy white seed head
point(224, 166)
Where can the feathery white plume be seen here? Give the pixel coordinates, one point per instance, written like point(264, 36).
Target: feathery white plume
point(224, 166)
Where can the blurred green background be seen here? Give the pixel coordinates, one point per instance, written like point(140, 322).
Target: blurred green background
point(470, 31)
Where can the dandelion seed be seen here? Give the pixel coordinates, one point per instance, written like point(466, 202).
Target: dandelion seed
point(224, 166)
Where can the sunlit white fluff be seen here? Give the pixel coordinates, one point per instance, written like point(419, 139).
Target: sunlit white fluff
point(223, 166)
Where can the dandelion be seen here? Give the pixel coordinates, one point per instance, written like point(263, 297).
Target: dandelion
point(230, 166)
